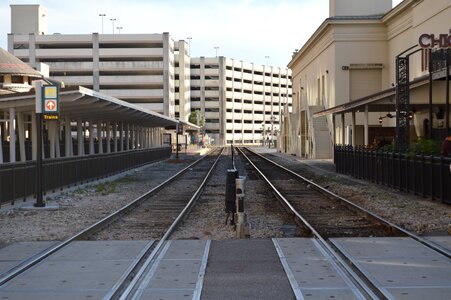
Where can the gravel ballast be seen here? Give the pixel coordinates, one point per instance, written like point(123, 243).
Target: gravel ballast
point(86, 205)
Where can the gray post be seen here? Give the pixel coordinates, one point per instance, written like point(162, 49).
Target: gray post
point(108, 137)
point(121, 137)
point(12, 135)
point(115, 136)
point(127, 137)
point(51, 138)
point(68, 137)
point(80, 137)
point(91, 138)
point(21, 129)
point(99, 137)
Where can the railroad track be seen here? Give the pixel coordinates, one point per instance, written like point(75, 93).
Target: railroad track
point(330, 216)
point(326, 215)
point(154, 215)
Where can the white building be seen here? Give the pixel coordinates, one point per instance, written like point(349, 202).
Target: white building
point(137, 68)
point(241, 101)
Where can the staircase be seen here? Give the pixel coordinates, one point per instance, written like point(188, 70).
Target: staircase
point(319, 131)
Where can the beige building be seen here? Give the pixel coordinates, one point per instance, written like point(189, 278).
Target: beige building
point(241, 102)
point(344, 77)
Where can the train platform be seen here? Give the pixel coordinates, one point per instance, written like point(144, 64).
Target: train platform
point(191, 153)
point(283, 268)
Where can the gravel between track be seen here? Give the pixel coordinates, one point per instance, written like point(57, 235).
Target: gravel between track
point(415, 213)
point(84, 206)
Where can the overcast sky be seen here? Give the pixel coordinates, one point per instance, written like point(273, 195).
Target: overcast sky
point(248, 30)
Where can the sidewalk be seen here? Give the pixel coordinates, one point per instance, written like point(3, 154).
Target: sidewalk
point(319, 164)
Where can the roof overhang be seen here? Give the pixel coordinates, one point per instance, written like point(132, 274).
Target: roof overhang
point(79, 102)
point(185, 126)
point(381, 101)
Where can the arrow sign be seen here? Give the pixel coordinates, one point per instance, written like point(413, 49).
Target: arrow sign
point(50, 105)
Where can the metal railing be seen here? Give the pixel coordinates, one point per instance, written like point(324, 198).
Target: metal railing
point(17, 180)
point(425, 175)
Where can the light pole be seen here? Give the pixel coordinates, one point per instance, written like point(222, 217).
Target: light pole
point(119, 29)
point(267, 59)
point(112, 20)
point(273, 118)
point(102, 15)
point(189, 45)
point(216, 49)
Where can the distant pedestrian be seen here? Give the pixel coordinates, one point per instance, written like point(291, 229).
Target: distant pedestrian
point(446, 146)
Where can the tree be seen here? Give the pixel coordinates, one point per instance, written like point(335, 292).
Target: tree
point(196, 117)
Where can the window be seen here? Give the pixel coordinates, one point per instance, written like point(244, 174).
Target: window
point(16, 79)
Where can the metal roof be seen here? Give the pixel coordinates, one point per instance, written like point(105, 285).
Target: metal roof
point(80, 102)
point(11, 65)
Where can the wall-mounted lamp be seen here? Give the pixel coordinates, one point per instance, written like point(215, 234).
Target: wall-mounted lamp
point(402, 114)
point(389, 115)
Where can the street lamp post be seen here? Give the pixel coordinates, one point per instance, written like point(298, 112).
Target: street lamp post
point(273, 118)
point(119, 29)
point(102, 15)
point(216, 49)
point(112, 20)
point(189, 45)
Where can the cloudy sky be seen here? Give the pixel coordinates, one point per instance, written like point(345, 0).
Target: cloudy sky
point(248, 30)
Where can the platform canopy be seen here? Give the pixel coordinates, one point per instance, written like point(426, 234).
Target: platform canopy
point(11, 65)
point(80, 102)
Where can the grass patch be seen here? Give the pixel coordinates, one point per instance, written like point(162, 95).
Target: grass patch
point(106, 188)
point(126, 179)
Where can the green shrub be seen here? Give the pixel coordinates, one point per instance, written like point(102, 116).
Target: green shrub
point(425, 146)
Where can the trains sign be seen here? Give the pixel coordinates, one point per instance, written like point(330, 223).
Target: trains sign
point(50, 102)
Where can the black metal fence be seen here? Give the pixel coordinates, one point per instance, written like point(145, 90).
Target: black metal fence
point(17, 180)
point(425, 175)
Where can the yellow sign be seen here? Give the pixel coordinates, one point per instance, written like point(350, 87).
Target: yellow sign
point(50, 92)
point(50, 117)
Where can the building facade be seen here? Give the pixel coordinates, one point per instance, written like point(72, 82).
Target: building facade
point(241, 102)
point(344, 77)
point(137, 68)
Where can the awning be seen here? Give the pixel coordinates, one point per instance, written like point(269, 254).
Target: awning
point(380, 101)
point(184, 126)
point(80, 102)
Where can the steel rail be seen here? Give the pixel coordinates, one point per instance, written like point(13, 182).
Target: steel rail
point(419, 239)
point(96, 226)
point(126, 291)
point(325, 245)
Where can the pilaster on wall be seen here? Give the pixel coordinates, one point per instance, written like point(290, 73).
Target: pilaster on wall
point(166, 49)
point(95, 62)
point(222, 101)
point(202, 85)
point(32, 50)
